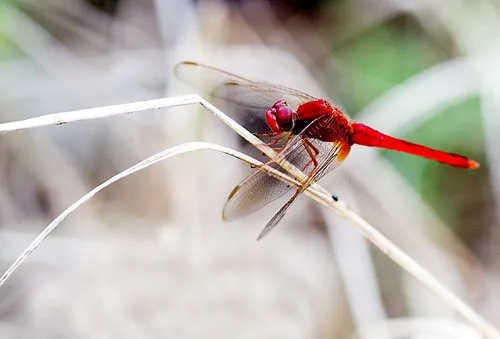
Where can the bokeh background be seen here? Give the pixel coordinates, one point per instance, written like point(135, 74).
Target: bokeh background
point(150, 257)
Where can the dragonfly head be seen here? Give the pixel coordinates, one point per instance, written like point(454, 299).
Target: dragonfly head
point(280, 117)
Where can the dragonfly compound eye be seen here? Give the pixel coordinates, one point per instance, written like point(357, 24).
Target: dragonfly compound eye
point(283, 114)
point(279, 117)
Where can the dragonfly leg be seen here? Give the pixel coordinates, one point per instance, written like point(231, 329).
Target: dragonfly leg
point(273, 142)
point(277, 140)
point(269, 144)
point(312, 151)
point(270, 134)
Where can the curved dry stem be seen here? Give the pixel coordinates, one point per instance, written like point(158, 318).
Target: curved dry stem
point(314, 191)
point(168, 153)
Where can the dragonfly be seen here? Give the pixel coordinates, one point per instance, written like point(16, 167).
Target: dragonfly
point(312, 134)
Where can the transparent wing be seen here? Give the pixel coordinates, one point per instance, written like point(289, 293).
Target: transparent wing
point(253, 193)
point(332, 158)
point(260, 189)
point(251, 97)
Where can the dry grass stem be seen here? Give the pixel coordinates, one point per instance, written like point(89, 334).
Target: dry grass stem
point(315, 191)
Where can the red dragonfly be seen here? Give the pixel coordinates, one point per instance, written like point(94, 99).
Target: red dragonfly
point(316, 136)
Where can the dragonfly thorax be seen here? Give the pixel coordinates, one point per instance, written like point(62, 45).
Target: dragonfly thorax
point(280, 117)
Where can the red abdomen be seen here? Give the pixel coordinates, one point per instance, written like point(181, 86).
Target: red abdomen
point(367, 136)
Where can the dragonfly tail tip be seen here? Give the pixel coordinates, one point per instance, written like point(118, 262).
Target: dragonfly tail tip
point(473, 164)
